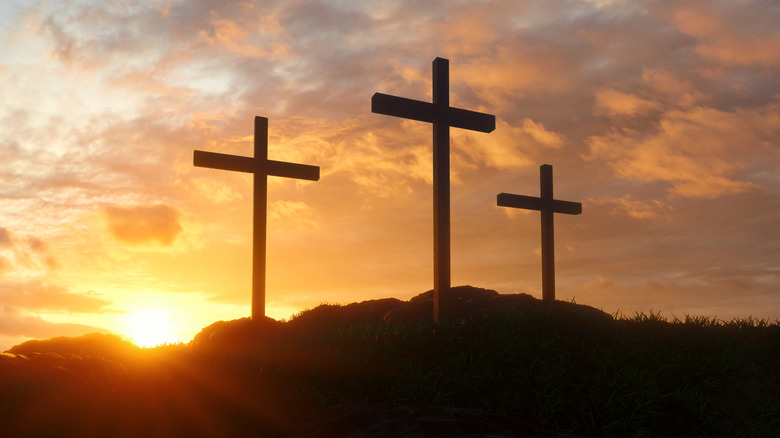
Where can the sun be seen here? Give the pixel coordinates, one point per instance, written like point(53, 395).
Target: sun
point(150, 327)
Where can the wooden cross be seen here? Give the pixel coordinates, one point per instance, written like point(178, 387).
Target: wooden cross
point(442, 116)
point(260, 166)
point(547, 205)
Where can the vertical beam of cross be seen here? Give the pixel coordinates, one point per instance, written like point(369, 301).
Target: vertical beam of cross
point(547, 206)
point(442, 116)
point(260, 167)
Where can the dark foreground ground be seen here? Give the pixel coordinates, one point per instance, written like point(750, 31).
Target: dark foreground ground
point(500, 366)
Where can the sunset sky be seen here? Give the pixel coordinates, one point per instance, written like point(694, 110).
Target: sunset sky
point(661, 117)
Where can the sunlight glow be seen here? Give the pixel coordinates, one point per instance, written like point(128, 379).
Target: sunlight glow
point(150, 327)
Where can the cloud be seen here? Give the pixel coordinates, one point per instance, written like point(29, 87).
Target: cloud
point(541, 135)
point(698, 151)
point(17, 325)
point(143, 224)
point(32, 253)
point(511, 146)
point(229, 35)
point(616, 103)
point(39, 295)
point(720, 36)
point(5, 238)
point(669, 86)
point(5, 265)
point(37, 245)
point(635, 208)
point(292, 214)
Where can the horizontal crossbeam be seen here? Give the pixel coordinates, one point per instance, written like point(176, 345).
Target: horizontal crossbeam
point(533, 203)
point(426, 112)
point(238, 163)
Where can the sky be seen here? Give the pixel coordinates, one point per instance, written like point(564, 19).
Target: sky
point(662, 117)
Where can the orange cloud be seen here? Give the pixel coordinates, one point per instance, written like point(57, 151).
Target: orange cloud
point(40, 295)
point(229, 35)
point(5, 238)
point(292, 214)
point(697, 22)
point(467, 34)
point(514, 71)
point(697, 151)
point(5, 265)
point(743, 51)
point(541, 135)
point(635, 208)
point(670, 87)
point(510, 146)
point(14, 324)
point(720, 38)
point(616, 103)
point(144, 224)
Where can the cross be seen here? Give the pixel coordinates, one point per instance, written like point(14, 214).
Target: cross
point(260, 166)
point(442, 116)
point(547, 205)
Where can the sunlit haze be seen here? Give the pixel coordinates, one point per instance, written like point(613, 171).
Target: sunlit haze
point(661, 117)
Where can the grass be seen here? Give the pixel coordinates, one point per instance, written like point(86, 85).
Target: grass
point(633, 376)
point(637, 376)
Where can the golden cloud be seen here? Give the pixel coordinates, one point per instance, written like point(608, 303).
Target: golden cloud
point(292, 214)
point(144, 224)
point(41, 295)
point(5, 238)
point(5, 265)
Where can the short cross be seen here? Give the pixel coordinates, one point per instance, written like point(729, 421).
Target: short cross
point(547, 205)
point(442, 116)
point(260, 166)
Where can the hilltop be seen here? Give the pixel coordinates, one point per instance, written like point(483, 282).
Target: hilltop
point(503, 365)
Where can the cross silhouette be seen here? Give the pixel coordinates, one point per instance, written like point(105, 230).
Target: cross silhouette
point(442, 116)
point(547, 205)
point(260, 166)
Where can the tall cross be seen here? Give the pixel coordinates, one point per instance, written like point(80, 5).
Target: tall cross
point(547, 205)
point(260, 166)
point(442, 116)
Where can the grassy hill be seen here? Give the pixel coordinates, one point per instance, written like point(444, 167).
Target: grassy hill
point(504, 365)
